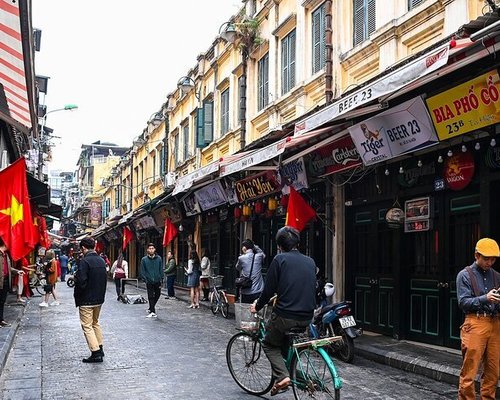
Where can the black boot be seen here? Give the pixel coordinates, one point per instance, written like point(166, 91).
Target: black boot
point(205, 294)
point(101, 350)
point(95, 357)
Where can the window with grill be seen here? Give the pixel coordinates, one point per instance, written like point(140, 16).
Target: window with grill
point(414, 3)
point(263, 82)
point(185, 142)
point(224, 112)
point(288, 62)
point(318, 39)
point(364, 20)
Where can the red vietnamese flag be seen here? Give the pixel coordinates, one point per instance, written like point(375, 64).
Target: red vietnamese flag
point(16, 222)
point(170, 232)
point(127, 237)
point(298, 212)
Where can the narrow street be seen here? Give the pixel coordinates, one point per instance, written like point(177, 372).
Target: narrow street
point(180, 355)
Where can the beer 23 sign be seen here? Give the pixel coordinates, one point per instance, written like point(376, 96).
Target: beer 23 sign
point(467, 107)
point(399, 130)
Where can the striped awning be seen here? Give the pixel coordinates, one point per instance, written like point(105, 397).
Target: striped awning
point(14, 92)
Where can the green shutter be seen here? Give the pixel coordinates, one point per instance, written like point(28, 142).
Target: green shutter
point(200, 136)
point(208, 116)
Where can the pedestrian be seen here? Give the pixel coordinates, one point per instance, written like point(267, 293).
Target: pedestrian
point(479, 299)
point(250, 265)
point(58, 267)
point(206, 272)
point(63, 259)
point(50, 265)
point(292, 277)
point(119, 270)
point(152, 274)
point(170, 273)
point(193, 273)
point(89, 294)
point(21, 280)
point(106, 260)
point(5, 279)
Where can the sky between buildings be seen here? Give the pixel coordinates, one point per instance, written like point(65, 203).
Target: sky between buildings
point(117, 60)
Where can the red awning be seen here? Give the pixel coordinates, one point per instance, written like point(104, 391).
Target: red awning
point(14, 103)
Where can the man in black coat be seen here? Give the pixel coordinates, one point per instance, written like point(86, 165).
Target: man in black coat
point(90, 289)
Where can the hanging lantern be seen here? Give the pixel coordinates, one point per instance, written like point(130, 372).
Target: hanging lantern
point(237, 212)
point(246, 210)
point(272, 204)
point(259, 207)
point(284, 200)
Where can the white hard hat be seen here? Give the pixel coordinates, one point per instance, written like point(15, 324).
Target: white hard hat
point(329, 289)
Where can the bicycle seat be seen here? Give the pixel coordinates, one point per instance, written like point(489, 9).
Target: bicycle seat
point(295, 331)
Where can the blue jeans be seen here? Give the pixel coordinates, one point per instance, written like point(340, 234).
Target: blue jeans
point(64, 271)
point(170, 285)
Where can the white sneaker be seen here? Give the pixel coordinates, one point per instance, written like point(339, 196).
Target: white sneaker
point(55, 303)
point(43, 304)
point(152, 315)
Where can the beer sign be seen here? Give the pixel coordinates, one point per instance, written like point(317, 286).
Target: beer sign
point(335, 157)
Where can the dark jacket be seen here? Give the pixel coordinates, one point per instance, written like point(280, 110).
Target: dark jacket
point(152, 269)
point(90, 280)
point(171, 268)
point(292, 276)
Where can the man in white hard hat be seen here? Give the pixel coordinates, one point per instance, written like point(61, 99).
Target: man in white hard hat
point(479, 298)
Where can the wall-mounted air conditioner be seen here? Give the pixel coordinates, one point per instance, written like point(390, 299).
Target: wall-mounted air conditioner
point(170, 179)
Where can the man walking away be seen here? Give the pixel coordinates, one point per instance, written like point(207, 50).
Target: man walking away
point(63, 259)
point(170, 273)
point(479, 298)
point(90, 290)
point(152, 274)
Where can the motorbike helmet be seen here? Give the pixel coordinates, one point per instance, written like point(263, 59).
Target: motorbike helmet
point(287, 238)
point(329, 289)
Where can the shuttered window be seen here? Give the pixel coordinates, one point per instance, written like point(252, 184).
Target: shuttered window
point(318, 39)
point(288, 62)
point(185, 142)
point(224, 112)
point(176, 149)
point(204, 125)
point(414, 3)
point(364, 20)
point(263, 82)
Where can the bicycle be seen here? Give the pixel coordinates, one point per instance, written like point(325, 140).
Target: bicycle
point(37, 280)
point(312, 371)
point(217, 296)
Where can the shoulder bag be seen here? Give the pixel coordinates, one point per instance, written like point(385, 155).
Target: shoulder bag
point(245, 282)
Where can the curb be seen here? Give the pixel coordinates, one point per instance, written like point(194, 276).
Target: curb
point(7, 345)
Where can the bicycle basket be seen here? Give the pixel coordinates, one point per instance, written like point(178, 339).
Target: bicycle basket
point(215, 280)
point(245, 320)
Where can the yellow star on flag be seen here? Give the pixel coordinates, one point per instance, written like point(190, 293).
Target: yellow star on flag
point(15, 211)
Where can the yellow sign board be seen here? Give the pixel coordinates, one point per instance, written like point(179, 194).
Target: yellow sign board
point(467, 107)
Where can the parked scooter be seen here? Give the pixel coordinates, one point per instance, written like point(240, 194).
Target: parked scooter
point(336, 320)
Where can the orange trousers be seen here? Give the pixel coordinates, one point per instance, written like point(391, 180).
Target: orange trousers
point(480, 337)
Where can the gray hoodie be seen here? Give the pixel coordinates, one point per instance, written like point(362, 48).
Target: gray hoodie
point(244, 265)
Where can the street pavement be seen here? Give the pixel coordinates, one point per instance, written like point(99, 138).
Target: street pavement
point(180, 355)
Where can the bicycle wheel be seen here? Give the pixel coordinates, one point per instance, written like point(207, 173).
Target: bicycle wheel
point(39, 287)
point(224, 305)
point(248, 364)
point(214, 302)
point(312, 377)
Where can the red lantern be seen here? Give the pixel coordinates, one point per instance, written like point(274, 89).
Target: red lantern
point(237, 212)
point(284, 200)
point(259, 207)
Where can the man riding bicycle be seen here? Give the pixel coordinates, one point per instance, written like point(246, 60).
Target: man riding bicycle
point(292, 276)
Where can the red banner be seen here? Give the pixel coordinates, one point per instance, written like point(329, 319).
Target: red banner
point(337, 156)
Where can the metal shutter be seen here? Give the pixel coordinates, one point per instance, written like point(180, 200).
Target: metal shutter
point(371, 17)
point(208, 121)
point(291, 68)
point(359, 21)
point(318, 39)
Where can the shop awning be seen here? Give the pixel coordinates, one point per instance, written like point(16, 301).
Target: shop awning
point(402, 77)
point(269, 152)
point(16, 88)
point(183, 183)
point(54, 210)
point(38, 191)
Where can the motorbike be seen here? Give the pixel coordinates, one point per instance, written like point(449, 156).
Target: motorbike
point(336, 320)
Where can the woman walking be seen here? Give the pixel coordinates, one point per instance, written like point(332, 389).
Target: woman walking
point(193, 273)
point(51, 277)
point(206, 272)
point(119, 270)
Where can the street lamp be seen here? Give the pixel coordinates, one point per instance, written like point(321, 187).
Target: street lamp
point(229, 34)
point(67, 107)
point(186, 84)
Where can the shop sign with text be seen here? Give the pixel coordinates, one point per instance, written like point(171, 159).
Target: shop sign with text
point(211, 196)
point(459, 170)
point(402, 129)
point(467, 107)
point(294, 173)
point(256, 186)
point(337, 156)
